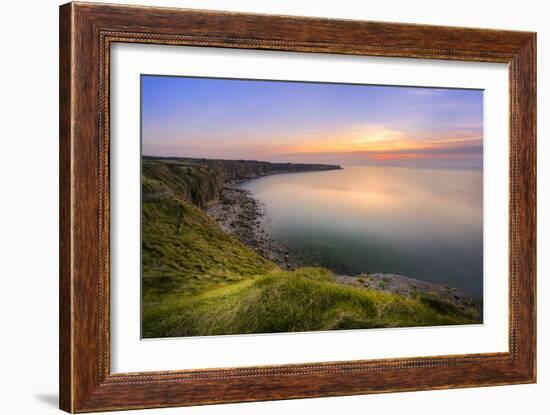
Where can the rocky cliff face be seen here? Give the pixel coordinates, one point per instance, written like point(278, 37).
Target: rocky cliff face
point(200, 181)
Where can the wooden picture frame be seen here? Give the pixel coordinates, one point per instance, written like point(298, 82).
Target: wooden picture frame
point(86, 33)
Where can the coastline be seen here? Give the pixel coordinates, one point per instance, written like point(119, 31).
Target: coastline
point(229, 256)
point(239, 214)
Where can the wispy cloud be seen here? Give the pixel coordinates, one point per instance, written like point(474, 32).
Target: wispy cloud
point(427, 92)
point(381, 139)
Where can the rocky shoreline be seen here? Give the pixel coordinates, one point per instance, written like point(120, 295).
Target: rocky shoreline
point(240, 215)
point(398, 284)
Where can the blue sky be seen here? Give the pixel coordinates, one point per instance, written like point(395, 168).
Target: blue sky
point(311, 122)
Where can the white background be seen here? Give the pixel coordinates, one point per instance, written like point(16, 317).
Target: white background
point(28, 217)
point(129, 354)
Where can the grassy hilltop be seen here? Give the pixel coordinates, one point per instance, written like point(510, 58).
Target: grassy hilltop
point(198, 280)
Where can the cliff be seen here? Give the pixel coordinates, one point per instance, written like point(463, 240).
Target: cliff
point(200, 181)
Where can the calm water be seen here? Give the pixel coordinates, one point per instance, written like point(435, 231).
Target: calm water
point(425, 224)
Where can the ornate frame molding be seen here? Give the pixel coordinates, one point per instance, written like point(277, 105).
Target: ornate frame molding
point(87, 31)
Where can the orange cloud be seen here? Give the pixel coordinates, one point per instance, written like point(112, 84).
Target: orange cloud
point(381, 143)
point(393, 156)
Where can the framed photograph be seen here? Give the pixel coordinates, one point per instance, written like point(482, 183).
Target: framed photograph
point(259, 207)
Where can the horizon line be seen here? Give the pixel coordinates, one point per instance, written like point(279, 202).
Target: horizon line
point(341, 165)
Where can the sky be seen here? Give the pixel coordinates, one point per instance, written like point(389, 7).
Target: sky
point(345, 124)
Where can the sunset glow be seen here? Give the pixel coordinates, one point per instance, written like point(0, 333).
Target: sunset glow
point(311, 122)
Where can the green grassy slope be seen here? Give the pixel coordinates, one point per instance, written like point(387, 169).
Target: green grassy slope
point(184, 252)
point(197, 280)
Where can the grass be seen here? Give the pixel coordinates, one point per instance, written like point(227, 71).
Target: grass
point(306, 299)
point(185, 251)
point(198, 280)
